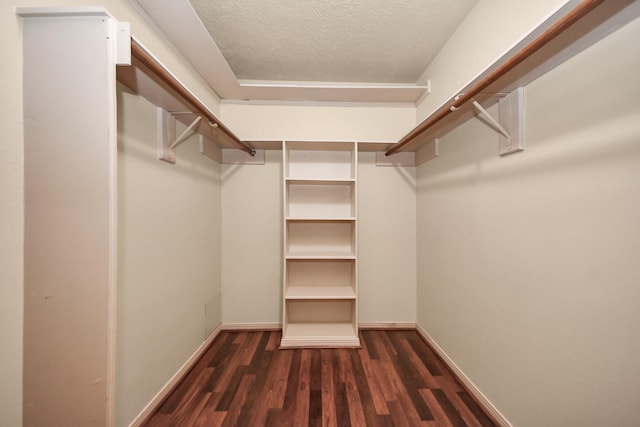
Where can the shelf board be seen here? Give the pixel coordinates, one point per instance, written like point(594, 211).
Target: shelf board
point(320, 255)
point(321, 334)
point(319, 219)
point(317, 181)
point(320, 145)
point(320, 292)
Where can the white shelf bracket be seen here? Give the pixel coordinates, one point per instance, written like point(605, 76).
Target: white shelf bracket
point(484, 113)
point(510, 123)
point(429, 151)
point(166, 136)
point(167, 141)
point(123, 43)
point(185, 134)
point(210, 149)
point(512, 117)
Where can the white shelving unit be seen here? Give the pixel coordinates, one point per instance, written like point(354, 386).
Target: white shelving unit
point(320, 285)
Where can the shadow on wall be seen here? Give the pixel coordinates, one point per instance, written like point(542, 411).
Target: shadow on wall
point(365, 158)
point(229, 171)
point(591, 143)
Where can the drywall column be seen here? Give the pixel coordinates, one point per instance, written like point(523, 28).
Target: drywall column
point(70, 211)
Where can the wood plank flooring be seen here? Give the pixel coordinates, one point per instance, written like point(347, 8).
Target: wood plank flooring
point(393, 380)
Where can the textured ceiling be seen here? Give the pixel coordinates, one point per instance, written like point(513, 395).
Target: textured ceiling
point(357, 41)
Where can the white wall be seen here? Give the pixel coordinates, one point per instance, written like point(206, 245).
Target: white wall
point(11, 216)
point(169, 236)
point(528, 265)
point(252, 211)
point(322, 122)
point(386, 242)
point(252, 241)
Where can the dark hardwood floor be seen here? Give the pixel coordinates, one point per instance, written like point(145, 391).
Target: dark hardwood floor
point(393, 380)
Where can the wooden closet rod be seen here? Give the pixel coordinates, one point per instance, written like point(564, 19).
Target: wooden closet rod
point(556, 29)
point(141, 55)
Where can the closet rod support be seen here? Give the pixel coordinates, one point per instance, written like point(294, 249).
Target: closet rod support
point(484, 113)
point(456, 99)
point(184, 134)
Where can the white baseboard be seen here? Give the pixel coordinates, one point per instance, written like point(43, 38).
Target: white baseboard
point(387, 325)
point(262, 326)
point(470, 386)
point(174, 380)
point(269, 326)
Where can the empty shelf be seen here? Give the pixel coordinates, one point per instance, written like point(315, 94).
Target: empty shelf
point(320, 292)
